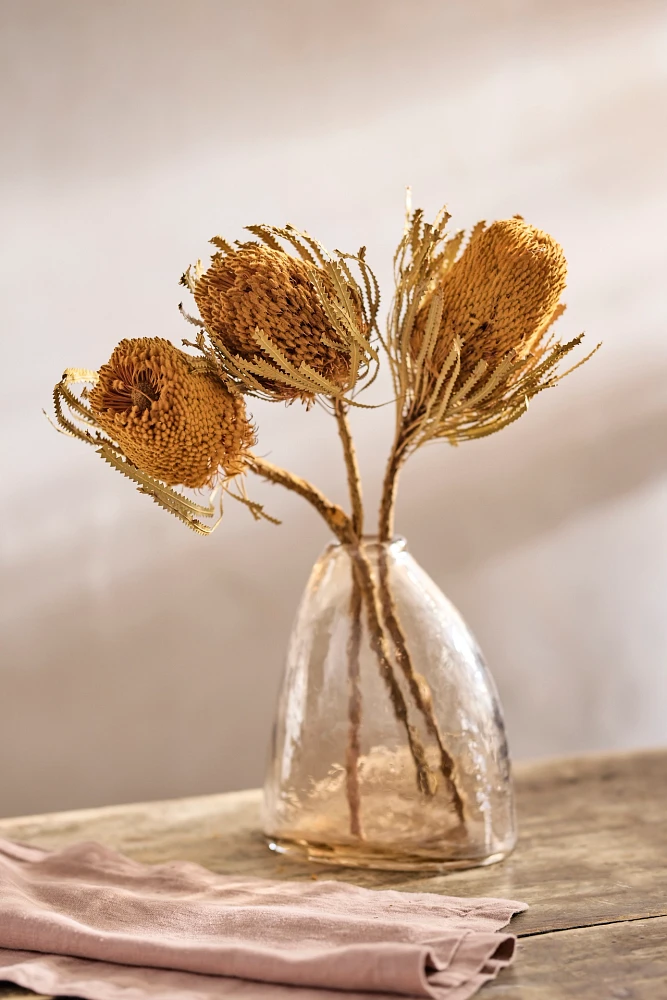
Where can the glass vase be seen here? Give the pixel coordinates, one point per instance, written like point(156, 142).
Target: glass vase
point(402, 766)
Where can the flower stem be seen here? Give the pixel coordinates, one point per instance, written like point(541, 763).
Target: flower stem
point(341, 525)
point(419, 688)
point(354, 710)
point(351, 466)
point(336, 518)
point(389, 488)
point(380, 647)
point(354, 637)
point(378, 641)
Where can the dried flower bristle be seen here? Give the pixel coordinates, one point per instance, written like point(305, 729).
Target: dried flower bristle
point(497, 297)
point(173, 422)
point(256, 288)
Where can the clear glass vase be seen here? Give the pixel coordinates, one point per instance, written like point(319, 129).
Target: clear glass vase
point(345, 783)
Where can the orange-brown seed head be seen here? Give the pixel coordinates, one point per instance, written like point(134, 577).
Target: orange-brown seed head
point(178, 425)
point(498, 295)
point(258, 287)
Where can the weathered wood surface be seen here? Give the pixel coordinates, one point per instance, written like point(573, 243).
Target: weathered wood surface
point(620, 961)
point(592, 851)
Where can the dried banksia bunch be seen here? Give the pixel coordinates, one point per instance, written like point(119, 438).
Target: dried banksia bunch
point(180, 425)
point(284, 326)
point(468, 346)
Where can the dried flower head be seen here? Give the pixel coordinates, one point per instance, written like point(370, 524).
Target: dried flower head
point(467, 339)
point(173, 422)
point(286, 327)
point(497, 296)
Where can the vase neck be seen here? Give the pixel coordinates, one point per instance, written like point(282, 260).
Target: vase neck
point(372, 544)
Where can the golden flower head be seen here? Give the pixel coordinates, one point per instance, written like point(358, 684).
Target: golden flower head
point(176, 423)
point(273, 314)
point(499, 295)
point(467, 337)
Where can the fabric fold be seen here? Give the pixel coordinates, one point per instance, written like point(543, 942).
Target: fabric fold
point(118, 925)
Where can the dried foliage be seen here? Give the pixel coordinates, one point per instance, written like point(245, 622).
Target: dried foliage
point(75, 418)
point(468, 347)
point(467, 338)
point(495, 297)
point(468, 344)
point(180, 425)
point(96, 416)
point(288, 327)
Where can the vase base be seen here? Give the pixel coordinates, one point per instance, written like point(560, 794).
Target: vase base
point(363, 856)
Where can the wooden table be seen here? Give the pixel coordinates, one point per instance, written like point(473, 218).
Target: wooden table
point(591, 862)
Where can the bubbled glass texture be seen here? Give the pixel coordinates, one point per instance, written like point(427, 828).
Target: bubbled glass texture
point(306, 803)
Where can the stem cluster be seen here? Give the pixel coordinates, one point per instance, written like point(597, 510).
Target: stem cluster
point(373, 599)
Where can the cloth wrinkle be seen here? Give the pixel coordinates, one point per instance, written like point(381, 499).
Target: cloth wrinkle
point(86, 921)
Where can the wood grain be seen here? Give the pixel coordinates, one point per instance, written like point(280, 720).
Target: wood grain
point(622, 961)
point(592, 851)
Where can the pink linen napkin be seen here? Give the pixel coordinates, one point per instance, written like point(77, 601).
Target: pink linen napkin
point(88, 922)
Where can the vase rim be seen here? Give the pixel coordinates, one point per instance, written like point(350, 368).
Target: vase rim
point(397, 543)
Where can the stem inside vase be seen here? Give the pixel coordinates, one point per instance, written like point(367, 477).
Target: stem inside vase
point(342, 787)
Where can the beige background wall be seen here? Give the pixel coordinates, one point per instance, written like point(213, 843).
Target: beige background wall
point(141, 661)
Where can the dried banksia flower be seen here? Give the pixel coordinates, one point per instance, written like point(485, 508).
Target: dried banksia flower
point(497, 296)
point(283, 326)
point(467, 339)
point(175, 423)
